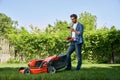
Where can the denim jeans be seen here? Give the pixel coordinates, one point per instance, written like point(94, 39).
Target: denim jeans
point(77, 48)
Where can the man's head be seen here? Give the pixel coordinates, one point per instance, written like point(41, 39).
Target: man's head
point(73, 18)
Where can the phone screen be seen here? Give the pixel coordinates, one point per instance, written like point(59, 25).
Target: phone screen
point(68, 27)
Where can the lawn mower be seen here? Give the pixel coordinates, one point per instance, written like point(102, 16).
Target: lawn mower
point(48, 65)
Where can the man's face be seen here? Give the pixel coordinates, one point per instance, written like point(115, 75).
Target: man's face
point(73, 20)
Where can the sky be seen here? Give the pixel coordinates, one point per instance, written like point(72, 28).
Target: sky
point(43, 12)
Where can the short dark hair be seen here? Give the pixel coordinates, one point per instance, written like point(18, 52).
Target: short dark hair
point(73, 15)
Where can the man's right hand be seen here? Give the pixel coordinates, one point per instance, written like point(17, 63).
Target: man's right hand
point(70, 39)
point(71, 29)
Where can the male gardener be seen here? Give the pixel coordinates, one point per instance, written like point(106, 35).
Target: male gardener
point(76, 42)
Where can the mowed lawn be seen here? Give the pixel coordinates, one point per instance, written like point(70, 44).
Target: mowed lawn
point(88, 72)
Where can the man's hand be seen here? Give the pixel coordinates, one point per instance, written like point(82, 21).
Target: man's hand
point(69, 39)
point(73, 30)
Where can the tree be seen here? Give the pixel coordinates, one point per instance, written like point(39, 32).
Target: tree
point(59, 26)
point(6, 25)
point(88, 20)
point(35, 30)
point(49, 29)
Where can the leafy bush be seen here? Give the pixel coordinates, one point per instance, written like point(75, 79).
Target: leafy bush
point(101, 45)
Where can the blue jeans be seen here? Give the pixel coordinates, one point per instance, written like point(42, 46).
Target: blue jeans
point(74, 47)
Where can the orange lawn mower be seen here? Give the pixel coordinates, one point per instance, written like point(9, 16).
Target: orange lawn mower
point(48, 65)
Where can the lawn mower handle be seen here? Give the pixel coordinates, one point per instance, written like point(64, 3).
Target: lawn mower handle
point(65, 43)
point(62, 47)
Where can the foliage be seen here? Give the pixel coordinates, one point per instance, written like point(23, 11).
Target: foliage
point(88, 20)
point(101, 45)
point(7, 26)
point(32, 45)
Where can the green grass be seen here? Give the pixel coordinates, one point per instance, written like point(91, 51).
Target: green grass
point(88, 72)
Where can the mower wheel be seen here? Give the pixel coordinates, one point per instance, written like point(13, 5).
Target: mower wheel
point(51, 69)
point(27, 71)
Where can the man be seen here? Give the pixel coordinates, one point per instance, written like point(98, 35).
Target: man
point(76, 42)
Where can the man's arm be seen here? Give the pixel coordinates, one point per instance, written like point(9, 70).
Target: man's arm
point(79, 32)
point(76, 32)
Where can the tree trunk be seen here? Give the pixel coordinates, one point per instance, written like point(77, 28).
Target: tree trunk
point(112, 54)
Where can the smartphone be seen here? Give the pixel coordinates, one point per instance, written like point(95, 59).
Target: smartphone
point(68, 27)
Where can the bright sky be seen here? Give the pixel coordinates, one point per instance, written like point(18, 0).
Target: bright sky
point(42, 12)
